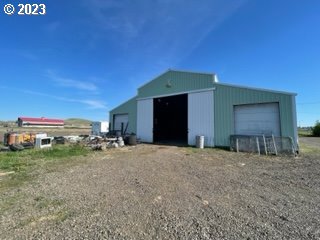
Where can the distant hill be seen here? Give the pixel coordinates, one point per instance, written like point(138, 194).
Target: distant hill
point(70, 122)
point(77, 122)
point(8, 123)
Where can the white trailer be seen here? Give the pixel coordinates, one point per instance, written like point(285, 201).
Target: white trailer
point(99, 128)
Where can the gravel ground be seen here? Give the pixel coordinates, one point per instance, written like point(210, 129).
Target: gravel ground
point(161, 192)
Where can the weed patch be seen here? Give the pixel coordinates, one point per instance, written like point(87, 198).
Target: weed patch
point(24, 163)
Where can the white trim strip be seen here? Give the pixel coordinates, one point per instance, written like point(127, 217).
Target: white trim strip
point(295, 123)
point(188, 71)
point(179, 93)
point(253, 88)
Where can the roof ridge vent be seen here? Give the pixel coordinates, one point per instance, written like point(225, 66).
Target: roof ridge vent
point(215, 78)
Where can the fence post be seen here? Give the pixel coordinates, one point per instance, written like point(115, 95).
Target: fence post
point(292, 146)
point(265, 145)
point(237, 144)
point(274, 145)
point(258, 146)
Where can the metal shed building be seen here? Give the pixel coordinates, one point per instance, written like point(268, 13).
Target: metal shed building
point(39, 122)
point(179, 105)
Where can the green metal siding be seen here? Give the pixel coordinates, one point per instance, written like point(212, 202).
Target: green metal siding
point(130, 108)
point(180, 82)
point(225, 97)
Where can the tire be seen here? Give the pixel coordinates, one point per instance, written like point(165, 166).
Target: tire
point(16, 147)
point(4, 149)
point(27, 145)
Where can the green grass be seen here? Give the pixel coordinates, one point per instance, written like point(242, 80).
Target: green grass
point(304, 148)
point(21, 161)
point(25, 163)
point(42, 202)
point(77, 122)
point(10, 201)
point(56, 217)
point(304, 133)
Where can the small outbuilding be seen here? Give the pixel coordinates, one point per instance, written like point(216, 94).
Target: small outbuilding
point(99, 128)
point(177, 106)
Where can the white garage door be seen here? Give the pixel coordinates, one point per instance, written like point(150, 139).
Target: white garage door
point(120, 121)
point(257, 119)
point(145, 120)
point(200, 117)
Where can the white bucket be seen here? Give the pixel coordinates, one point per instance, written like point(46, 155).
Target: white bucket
point(200, 141)
point(121, 143)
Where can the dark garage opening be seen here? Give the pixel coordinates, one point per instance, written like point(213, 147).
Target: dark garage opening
point(170, 122)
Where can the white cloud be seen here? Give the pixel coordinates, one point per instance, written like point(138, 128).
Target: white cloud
point(94, 104)
point(162, 32)
point(67, 82)
point(71, 83)
point(116, 16)
point(90, 103)
point(165, 19)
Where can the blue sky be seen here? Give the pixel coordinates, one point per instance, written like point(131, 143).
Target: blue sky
point(85, 57)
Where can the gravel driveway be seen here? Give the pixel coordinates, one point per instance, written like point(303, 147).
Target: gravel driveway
point(161, 192)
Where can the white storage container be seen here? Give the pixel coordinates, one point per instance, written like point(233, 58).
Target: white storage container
point(99, 128)
point(200, 141)
point(43, 142)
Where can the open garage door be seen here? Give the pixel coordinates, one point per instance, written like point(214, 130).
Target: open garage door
point(170, 122)
point(257, 119)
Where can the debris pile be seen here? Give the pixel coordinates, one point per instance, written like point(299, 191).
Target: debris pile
point(107, 142)
point(14, 141)
point(19, 141)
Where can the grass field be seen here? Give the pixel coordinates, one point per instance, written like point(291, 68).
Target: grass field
point(23, 165)
point(304, 132)
point(77, 122)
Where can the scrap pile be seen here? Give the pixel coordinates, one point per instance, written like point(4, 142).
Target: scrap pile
point(100, 143)
point(97, 142)
point(14, 141)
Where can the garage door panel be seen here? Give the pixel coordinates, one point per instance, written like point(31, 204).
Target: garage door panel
point(120, 120)
point(145, 120)
point(201, 117)
point(257, 119)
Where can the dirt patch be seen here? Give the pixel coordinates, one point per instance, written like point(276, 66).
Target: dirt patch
point(156, 192)
point(5, 173)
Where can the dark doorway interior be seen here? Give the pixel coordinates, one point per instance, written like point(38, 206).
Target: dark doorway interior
point(170, 123)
